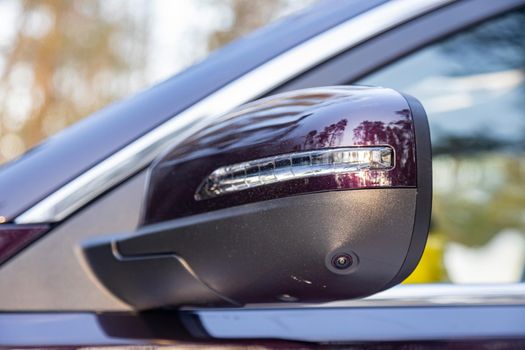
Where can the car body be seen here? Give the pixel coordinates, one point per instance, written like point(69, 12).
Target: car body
point(88, 180)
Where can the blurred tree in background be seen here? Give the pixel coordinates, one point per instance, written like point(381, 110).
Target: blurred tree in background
point(69, 58)
point(244, 19)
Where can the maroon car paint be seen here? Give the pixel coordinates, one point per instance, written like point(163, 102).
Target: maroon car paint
point(301, 120)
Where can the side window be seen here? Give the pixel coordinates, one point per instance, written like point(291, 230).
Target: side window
point(473, 88)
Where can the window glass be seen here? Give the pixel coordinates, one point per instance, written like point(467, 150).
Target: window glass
point(472, 86)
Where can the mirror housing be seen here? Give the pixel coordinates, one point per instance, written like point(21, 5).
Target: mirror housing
point(307, 196)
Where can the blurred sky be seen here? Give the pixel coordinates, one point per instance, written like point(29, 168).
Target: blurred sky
point(181, 28)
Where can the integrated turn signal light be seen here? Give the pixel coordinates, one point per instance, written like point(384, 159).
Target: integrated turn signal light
point(297, 165)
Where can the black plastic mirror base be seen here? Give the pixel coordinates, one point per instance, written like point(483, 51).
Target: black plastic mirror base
point(251, 253)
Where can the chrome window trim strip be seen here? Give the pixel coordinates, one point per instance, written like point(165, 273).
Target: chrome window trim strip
point(417, 312)
point(138, 154)
point(421, 295)
point(333, 322)
point(441, 295)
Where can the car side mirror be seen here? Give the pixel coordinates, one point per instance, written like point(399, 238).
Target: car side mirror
point(307, 196)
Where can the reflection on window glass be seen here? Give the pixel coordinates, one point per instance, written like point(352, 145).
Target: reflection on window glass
point(472, 86)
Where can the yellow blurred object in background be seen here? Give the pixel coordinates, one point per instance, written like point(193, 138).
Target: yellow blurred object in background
point(430, 268)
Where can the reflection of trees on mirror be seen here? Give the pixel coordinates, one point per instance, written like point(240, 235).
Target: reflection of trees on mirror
point(269, 121)
point(398, 134)
point(329, 137)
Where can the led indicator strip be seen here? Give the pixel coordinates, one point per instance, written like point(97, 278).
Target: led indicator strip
point(297, 165)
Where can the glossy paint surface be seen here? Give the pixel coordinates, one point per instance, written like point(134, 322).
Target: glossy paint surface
point(303, 120)
point(15, 237)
